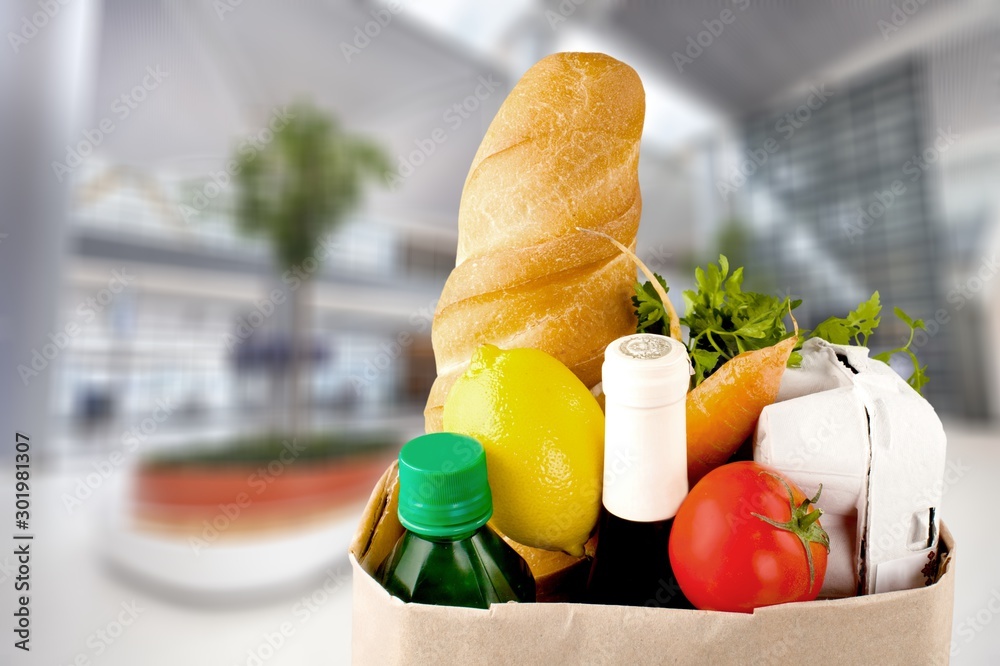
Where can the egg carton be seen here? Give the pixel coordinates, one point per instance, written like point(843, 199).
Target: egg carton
point(852, 424)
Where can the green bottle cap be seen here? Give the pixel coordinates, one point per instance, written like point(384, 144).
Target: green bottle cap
point(443, 489)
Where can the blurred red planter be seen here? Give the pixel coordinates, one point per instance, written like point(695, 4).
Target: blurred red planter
point(250, 494)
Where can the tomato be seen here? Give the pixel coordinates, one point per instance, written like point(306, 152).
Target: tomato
point(747, 537)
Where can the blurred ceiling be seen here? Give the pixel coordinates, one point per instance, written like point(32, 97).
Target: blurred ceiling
point(766, 47)
point(228, 73)
point(229, 70)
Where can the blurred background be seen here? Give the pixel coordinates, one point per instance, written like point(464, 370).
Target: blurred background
point(226, 225)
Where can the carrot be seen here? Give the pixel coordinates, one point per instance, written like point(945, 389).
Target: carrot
point(723, 410)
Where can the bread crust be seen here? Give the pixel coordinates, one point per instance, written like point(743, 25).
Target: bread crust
point(561, 153)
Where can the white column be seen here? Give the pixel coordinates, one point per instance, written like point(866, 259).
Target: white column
point(46, 63)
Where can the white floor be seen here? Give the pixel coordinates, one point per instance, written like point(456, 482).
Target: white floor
point(970, 509)
point(78, 601)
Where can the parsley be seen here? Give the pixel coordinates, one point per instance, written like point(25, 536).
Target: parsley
point(724, 321)
point(649, 308)
point(859, 325)
point(919, 376)
point(855, 328)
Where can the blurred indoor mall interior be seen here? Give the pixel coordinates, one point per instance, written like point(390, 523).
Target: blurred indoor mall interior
point(184, 319)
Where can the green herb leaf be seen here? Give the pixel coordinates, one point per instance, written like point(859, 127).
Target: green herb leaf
point(919, 376)
point(702, 360)
point(725, 321)
point(649, 308)
point(902, 315)
point(855, 328)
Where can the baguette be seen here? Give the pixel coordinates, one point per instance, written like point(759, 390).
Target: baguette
point(561, 153)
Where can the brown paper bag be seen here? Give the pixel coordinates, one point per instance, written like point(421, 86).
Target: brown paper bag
point(907, 627)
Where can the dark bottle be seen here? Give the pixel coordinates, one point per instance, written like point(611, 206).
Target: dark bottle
point(448, 555)
point(645, 381)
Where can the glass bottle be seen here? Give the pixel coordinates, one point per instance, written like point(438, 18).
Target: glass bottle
point(448, 555)
point(645, 381)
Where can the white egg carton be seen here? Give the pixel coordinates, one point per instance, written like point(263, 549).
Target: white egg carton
point(855, 426)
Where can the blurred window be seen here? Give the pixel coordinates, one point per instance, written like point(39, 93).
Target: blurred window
point(828, 224)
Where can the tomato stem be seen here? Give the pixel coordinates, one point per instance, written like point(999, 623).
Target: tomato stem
point(804, 523)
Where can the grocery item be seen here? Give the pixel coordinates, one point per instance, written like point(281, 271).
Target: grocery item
point(724, 321)
point(645, 379)
point(746, 537)
point(448, 555)
point(739, 335)
point(653, 307)
point(547, 230)
point(723, 410)
point(912, 627)
point(561, 153)
point(850, 422)
point(543, 433)
point(861, 322)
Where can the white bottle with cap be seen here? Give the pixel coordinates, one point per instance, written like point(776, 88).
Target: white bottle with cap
point(645, 382)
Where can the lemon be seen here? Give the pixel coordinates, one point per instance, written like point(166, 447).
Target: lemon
point(543, 432)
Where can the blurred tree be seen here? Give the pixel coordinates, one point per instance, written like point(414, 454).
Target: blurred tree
point(292, 192)
point(742, 247)
point(734, 242)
